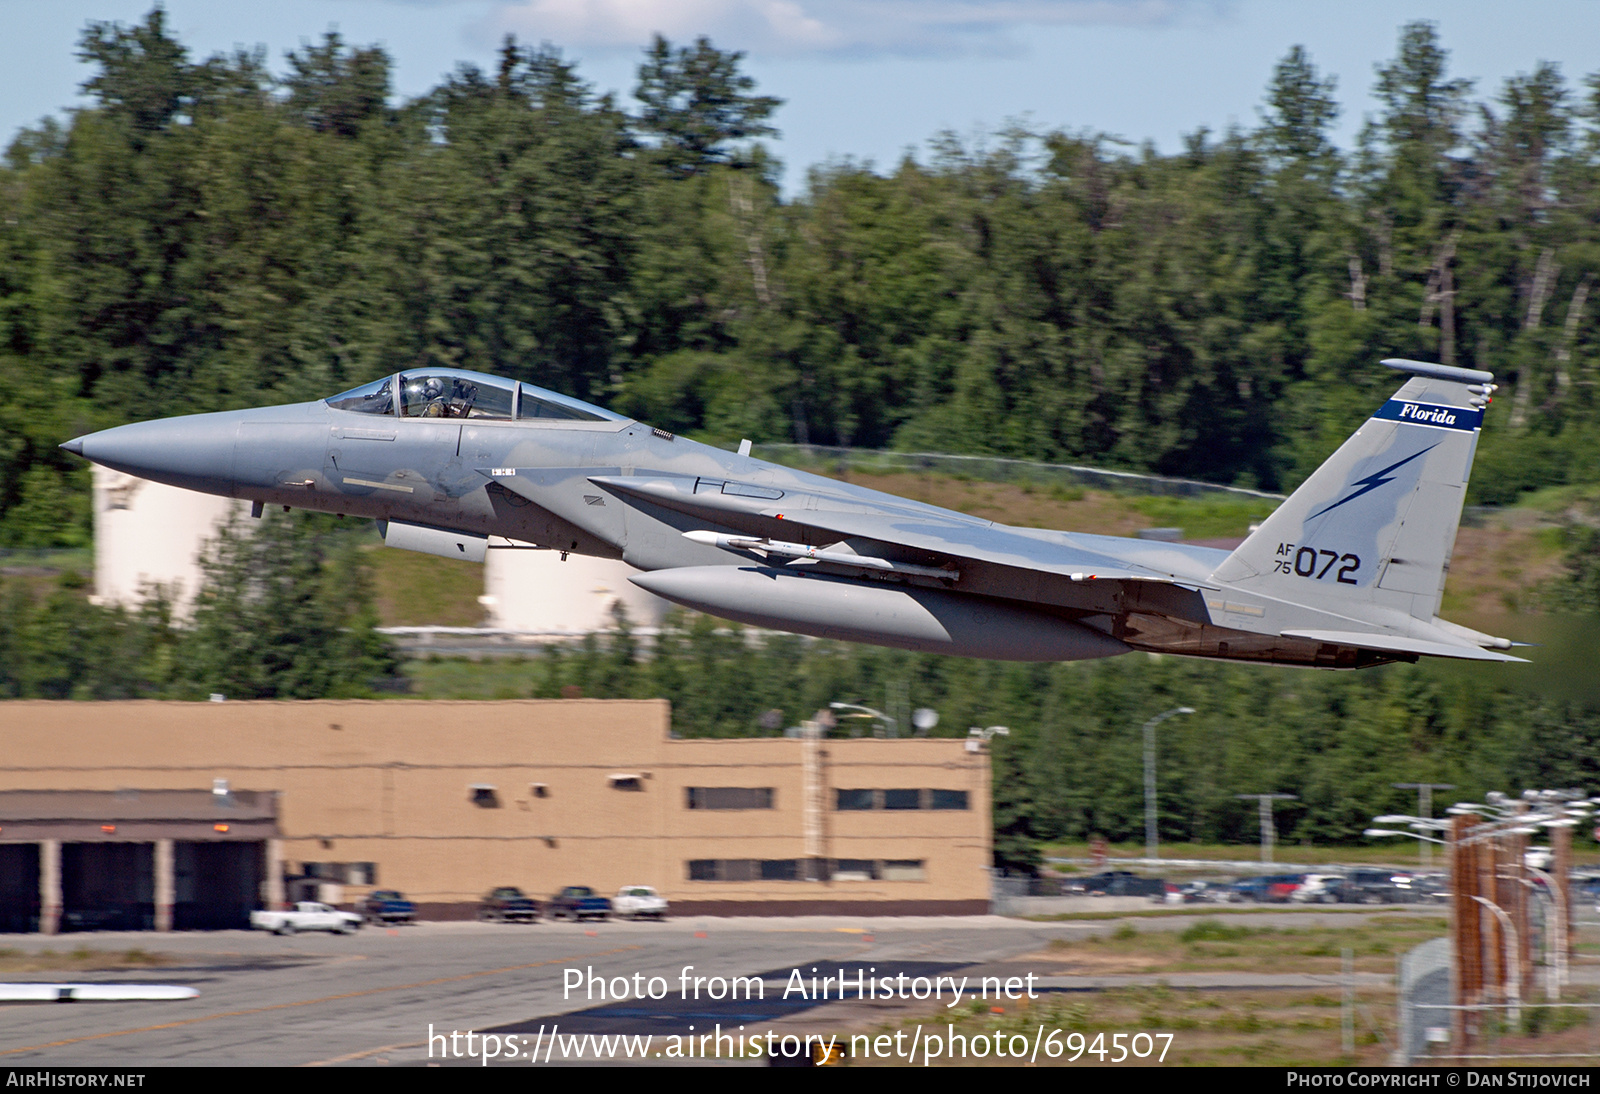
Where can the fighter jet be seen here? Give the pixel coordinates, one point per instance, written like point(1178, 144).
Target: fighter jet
point(1346, 573)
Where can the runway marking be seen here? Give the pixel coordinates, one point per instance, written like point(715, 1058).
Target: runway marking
point(349, 1056)
point(313, 1002)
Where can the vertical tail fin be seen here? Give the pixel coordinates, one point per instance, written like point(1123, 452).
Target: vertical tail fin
point(1376, 523)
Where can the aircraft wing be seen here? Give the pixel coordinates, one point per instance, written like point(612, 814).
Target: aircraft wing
point(989, 543)
point(949, 541)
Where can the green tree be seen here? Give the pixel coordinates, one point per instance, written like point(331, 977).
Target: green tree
point(335, 90)
point(285, 612)
point(64, 647)
point(502, 241)
point(143, 74)
point(1300, 110)
point(696, 104)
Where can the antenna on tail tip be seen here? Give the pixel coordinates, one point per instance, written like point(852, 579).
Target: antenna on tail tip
point(1440, 372)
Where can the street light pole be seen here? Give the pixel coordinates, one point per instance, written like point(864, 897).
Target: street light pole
point(1425, 811)
point(1267, 830)
point(1150, 839)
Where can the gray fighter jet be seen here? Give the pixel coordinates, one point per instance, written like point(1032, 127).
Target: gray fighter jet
point(1346, 573)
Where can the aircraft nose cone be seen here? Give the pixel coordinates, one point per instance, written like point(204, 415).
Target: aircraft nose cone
point(75, 446)
point(195, 453)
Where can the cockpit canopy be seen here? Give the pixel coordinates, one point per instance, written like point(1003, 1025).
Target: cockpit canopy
point(455, 393)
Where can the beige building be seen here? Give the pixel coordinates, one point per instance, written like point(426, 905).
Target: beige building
point(446, 800)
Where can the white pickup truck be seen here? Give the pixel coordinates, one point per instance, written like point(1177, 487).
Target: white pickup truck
point(308, 915)
point(639, 902)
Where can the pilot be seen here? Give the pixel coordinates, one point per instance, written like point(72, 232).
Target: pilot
point(432, 399)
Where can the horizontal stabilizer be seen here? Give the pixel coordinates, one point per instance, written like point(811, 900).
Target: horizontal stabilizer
point(1395, 643)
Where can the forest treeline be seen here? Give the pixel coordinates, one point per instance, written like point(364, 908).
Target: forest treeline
point(206, 235)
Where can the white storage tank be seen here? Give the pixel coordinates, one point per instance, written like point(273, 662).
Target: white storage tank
point(534, 591)
point(147, 533)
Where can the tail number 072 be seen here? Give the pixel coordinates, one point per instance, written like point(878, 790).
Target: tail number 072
point(1316, 563)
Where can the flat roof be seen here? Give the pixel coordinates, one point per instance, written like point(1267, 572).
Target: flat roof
point(204, 806)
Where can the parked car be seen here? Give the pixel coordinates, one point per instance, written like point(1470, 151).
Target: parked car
point(1369, 886)
point(1094, 883)
point(1117, 883)
point(639, 902)
point(1282, 887)
point(1318, 889)
point(1434, 889)
point(307, 915)
point(507, 904)
point(1409, 888)
point(1203, 892)
point(1248, 889)
point(388, 906)
point(578, 902)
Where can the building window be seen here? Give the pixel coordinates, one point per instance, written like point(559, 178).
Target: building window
point(904, 870)
point(746, 869)
point(349, 873)
point(900, 799)
point(729, 797)
point(627, 782)
point(856, 799)
point(855, 869)
point(484, 797)
point(782, 869)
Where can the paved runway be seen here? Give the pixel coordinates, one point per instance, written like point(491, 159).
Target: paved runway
point(373, 997)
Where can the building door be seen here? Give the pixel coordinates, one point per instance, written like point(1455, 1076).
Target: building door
point(107, 886)
point(19, 887)
point(216, 885)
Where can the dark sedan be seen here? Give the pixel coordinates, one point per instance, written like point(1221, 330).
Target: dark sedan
point(1118, 883)
point(388, 906)
point(578, 902)
point(507, 904)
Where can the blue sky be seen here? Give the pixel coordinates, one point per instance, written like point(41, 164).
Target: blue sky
point(871, 79)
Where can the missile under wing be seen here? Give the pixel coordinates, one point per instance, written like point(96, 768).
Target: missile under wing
point(1346, 573)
